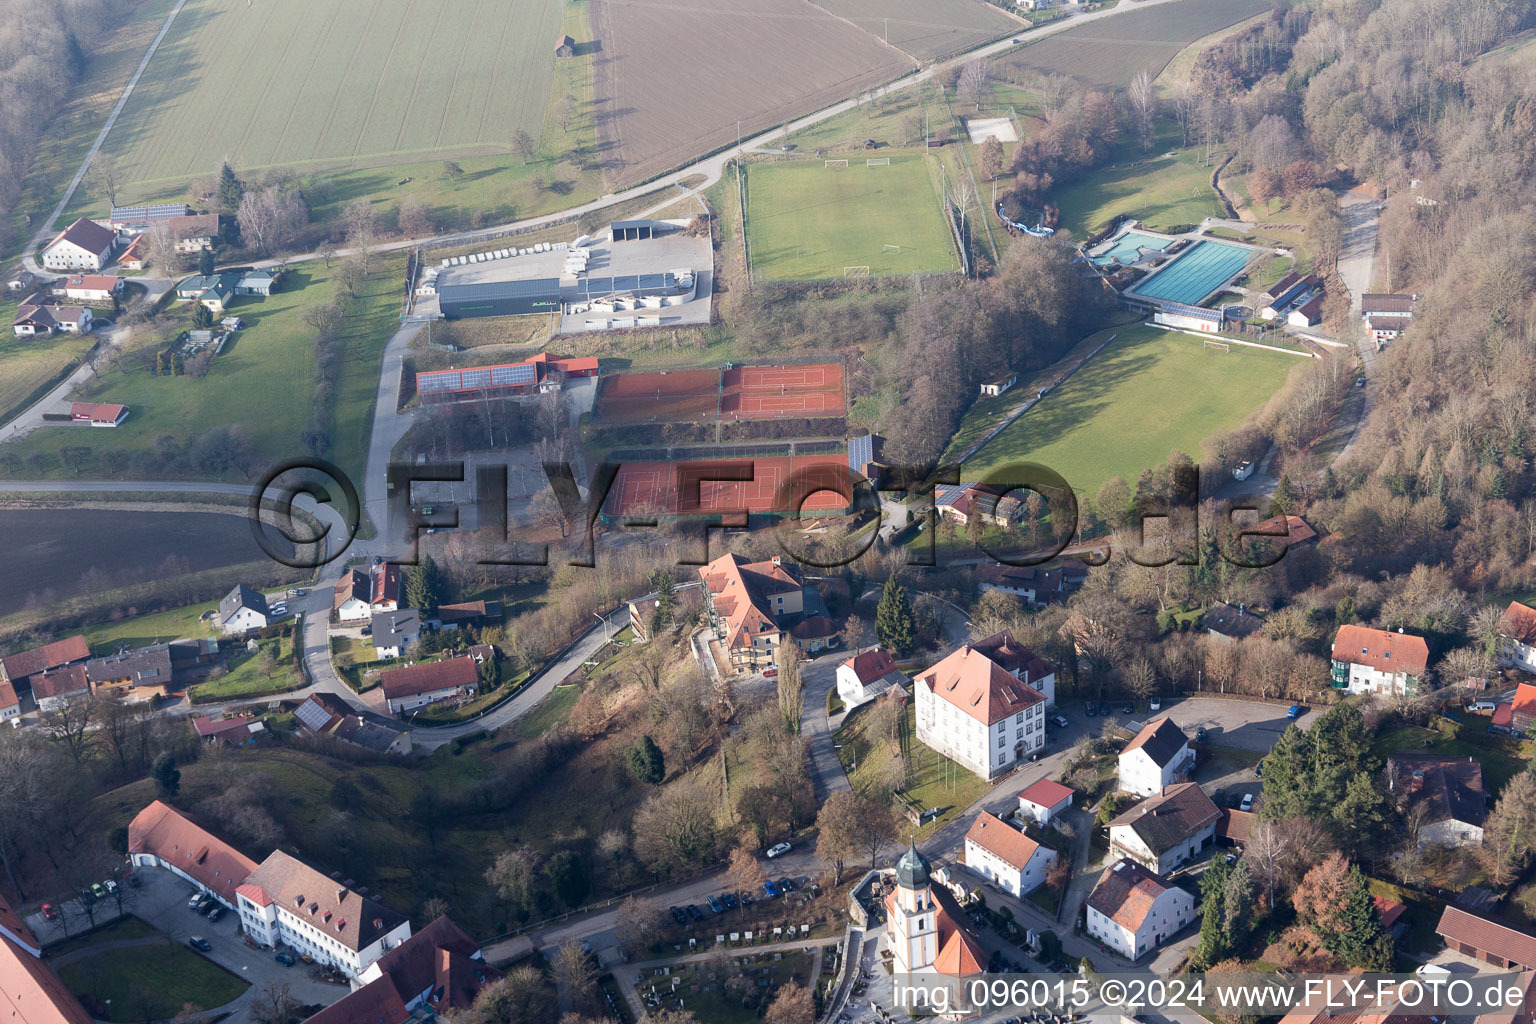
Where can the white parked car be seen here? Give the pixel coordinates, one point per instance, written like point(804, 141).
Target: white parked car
point(1060, 721)
point(1157, 703)
point(774, 851)
point(1247, 802)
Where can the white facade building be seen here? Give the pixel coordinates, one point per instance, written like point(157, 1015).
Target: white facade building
point(1168, 830)
point(975, 712)
point(1157, 758)
point(1005, 856)
point(1134, 911)
point(1367, 660)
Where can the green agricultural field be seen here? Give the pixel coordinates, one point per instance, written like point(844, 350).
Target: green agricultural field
point(337, 82)
point(1148, 393)
point(806, 220)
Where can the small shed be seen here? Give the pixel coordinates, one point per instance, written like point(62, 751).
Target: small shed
point(565, 46)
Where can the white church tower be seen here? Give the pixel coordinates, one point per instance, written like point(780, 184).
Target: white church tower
point(912, 915)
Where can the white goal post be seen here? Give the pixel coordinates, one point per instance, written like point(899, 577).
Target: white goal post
point(891, 248)
point(837, 164)
point(1217, 346)
point(849, 272)
point(878, 161)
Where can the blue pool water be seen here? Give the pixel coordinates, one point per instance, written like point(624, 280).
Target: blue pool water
point(1194, 273)
point(1125, 250)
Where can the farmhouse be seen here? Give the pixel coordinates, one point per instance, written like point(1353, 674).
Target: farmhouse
point(350, 600)
point(134, 676)
point(1369, 660)
point(84, 245)
point(538, 375)
point(926, 930)
point(1167, 830)
point(394, 632)
point(20, 668)
point(37, 317)
point(160, 836)
point(1443, 796)
point(193, 233)
point(1005, 856)
point(439, 968)
point(322, 714)
point(1044, 801)
point(1133, 910)
point(10, 704)
point(93, 287)
point(285, 901)
point(1387, 304)
point(867, 676)
point(978, 713)
point(1519, 714)
point(97, 414)
point(1517, 631)
point(133, 258)
point(243, 609)
point(1487, 940)
point(54, 689)
point(140, 218)
point(750, 604)
point(420, 685)
point(994, 386)
point(1155, 759)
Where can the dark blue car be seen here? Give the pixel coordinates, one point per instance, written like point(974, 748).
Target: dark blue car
point(715, 905)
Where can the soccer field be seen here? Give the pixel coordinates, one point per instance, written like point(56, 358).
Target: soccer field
point(806, 220)
point(350, 82)
point(1149, 392)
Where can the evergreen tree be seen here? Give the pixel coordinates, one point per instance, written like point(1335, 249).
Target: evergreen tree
point(423, 586)
point(646, 762)
point(666, 599)
point(1213, 934)
point(202, 316)
point(894, 623)
point(178, 365)
point(162, 367)
point(205, 262)
point(1283, 502)
point(231, 189)
point(1237, 905)
point(166, 775)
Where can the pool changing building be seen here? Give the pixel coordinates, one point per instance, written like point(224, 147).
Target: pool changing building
point(585, 276)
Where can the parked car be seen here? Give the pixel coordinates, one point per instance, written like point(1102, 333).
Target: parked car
point(286, 959)
point(195, 901)
point(1247, 804)
point(1157, 704)
point(1060, 721)
point(1093, 710)
point(746, 898)
point(786, 885)
point(198, 942)
point(1296, 711)
point(770, 673)
point(1483, 706)
point(216, 913)
point(678, 915)
point(778, 848)
point(1129, 707)
point(50, 912)
point(694, 912)
point(715, 905)
point(1104, 707)
point(729, 899)
point(98, 891)
point(771, 888)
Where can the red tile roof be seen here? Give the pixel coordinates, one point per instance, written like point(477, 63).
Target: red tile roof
point(739, 592)
point(1125, 893)
point(1389, 910)
point(30, 993)
point(979, 686)
point(871, 664)
point(386, 583)
point(448, 674)
point(1236, 825)
point(375, 1003)
point(1519, 623)
point(1046, 793)
point(7, 695)
point(64, 682)
point(162, 831)
point(1001, 839)
point(1381, 649)
point(1488, 937)
point(93, 282)
point(353, 585)
point(61, 652)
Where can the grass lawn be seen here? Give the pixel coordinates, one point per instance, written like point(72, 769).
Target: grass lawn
point(143, 630)
point(933, 781)
point(150, 982)
point(339, 81)
point(1159, 190)
point(32, 368)
point(1422, 915)
point(1047, 898)
point(1502, 757)
point(129, 927)
point(806, 220)
point(263, 382)
point(246, 678)
point(357, 660)
point(549, 712)
point(1148, 393)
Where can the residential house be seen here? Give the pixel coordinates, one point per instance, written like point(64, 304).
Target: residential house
point(54, 689)
point(21, 667)
point(996, 385)
point(161, 836)
point(20, 281)
point(350, 600)
point(10, 704)
point(974, 711)
point(1519, 714)
point(1293, 528)
point(84, 245)
point(1517, 629)
point(993, 505)
point(927, 932)
point(232, 732)
point(243, 609)
point(97, 414)
point(1442, 796)
point(814, 633)
point(256, 282)
point(1005, 856)
point(394, 632)
point(1134, 911)
point(1045, 801)
point(1367, 660)
point(286, 902)
point(324, 714)
point(133, 257)
point(420, 685)
point(1485, 939)
point(37, 317)
point(30, 993)
point(1385, 329)
point(1166, 831)
point(93, 287)
point(750, 605)
point(438, 969)
point(385, 587)
point(1031, 583)
point(1382, 304)
point(468, 613)
point(215, 291)
point(1225, 621)
point(1021, 663)
point(132, 675)
point(194, 233)
point(866, 676)
point(1157, 758)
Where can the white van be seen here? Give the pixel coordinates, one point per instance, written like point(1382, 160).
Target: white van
point(1487, 706)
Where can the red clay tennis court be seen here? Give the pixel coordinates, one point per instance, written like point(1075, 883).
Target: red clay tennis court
point(695, 488)
point(740, 393)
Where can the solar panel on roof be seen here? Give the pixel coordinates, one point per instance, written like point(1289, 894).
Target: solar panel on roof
point(520, 373)
point(444, 380)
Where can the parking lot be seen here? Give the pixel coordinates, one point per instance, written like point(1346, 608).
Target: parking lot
point(161, 900)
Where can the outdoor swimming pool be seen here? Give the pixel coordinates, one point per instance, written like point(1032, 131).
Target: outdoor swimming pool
point(1124, 251)
point(1194, 273)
